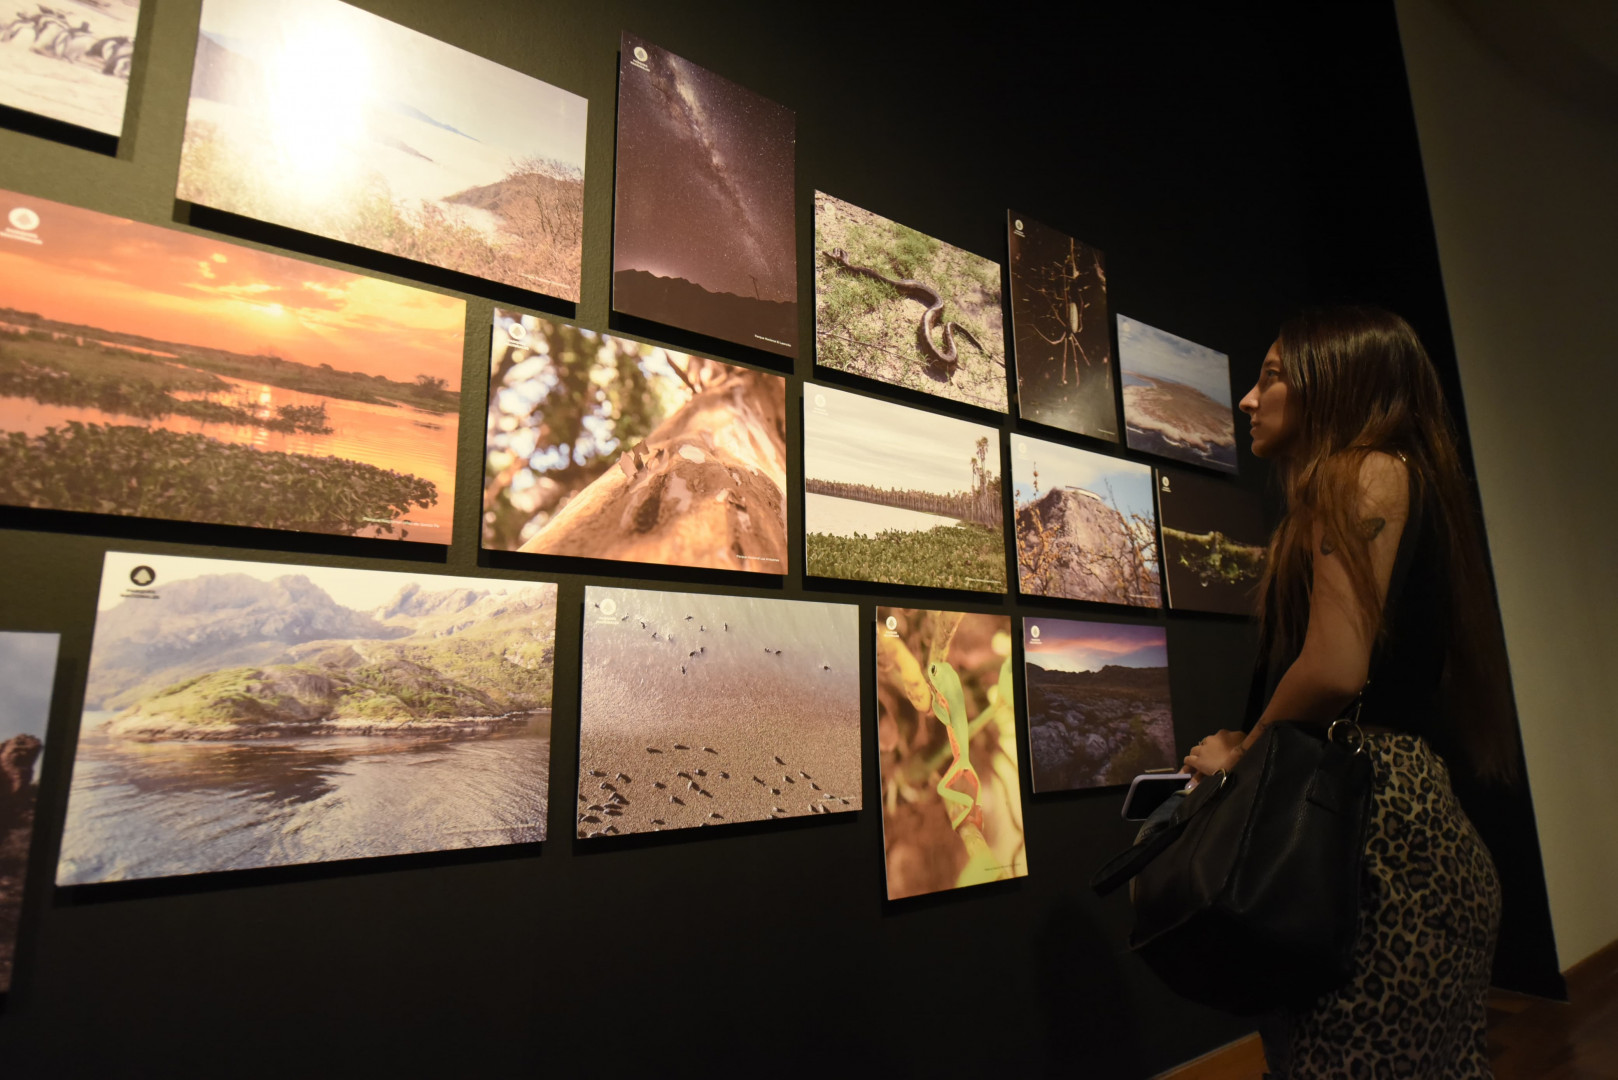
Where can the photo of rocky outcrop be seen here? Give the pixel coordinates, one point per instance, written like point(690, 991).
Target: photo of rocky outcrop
point(699, 710)
point(69, 60)
point(1086, 525)
point(27, 672)
point(946, 739)
point(320, 116)
point(902, 307)
point(1214, 543)
point(1177, 401)
point(1098, 702)
point(242, 714)
point(607, 448)
point(704, 236)
point(1060, 327)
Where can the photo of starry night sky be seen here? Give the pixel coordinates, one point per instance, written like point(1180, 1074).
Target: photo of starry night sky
point(703, 230)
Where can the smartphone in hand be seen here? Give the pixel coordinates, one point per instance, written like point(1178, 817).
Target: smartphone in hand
point(1148, 790)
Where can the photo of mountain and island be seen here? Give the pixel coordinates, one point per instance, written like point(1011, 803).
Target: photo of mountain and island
point(704, 234)
point(1176, 397)
point(27, 672)
point(699, 710)
point(608, 448)
point(1086, 526)
point(896, 305)
point(899, 495)
point(1214, 543)
point(153, 373)
point(1061, 331)
point(69, 60)
point(946, 740)
point(242, 714)
point(1098, 702)
point(319, 116)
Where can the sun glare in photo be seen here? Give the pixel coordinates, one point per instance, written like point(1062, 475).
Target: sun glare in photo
point(320, 92)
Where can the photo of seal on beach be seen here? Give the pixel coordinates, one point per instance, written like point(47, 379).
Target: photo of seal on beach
point(697, 709)
point(1177, 401)
point(246, 714)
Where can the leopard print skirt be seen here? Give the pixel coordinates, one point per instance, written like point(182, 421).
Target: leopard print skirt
point(1429, 915)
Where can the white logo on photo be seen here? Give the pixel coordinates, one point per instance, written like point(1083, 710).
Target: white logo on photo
point(1033, 631)
point(1018, 224)
point(893, 624)
point(640, 53)
point(608, 606)
point(820, 401)
point(1165, 483)
point(517, 331)
point(23, 219)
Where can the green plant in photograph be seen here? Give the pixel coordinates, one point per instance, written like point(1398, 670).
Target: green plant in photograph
point(948, 557)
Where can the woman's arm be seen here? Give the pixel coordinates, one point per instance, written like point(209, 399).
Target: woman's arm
point(1336, 654)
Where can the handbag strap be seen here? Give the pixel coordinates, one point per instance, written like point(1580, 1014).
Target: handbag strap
point(1126, 864)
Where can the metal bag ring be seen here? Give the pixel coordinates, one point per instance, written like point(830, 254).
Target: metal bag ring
point(1359, 736)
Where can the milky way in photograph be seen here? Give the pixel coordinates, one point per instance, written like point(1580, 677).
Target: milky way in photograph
point(705, 179)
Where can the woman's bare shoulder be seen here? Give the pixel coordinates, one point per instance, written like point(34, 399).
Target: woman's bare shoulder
point(1384, 484)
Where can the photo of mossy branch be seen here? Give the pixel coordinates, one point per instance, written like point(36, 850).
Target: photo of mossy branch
point(952, 812)
point(1214, 543)
point(896, 305)
point(321, 117)
point(604, 447)
point(153, 373)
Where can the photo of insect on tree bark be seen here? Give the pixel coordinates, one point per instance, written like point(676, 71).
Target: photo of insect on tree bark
point(154, 373)
point(1086, 526)
point(896, 305)
point(947, 744)
point(607, 448)
point(1060, 329)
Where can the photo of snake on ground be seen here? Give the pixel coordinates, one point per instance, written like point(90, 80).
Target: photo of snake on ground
point(898, 306)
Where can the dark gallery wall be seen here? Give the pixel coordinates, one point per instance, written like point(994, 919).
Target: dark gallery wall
point(1232, 168)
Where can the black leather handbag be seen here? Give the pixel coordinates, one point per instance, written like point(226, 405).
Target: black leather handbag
point(1249, 898)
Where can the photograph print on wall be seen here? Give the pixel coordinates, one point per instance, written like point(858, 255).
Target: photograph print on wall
point(1098, 702)
point(27, 672)
point(1061, 331)
point(698, 709)
point(900, 495)
point(242, 714)
point(1214, 543)
point(608, 448)
point(1176, 397)
point(318, 116)
point(154, 373)
point(1086, 526)
point(704, 236)
point(947, 746)
point(69, 60)
point(898, 306)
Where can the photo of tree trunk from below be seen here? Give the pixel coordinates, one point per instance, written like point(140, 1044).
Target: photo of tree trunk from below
point(27, 672)
point(947, 744)
point(606, 448)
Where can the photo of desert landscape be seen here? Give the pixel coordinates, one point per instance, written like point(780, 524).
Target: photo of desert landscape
point(703, 228)
point(27, 672)
point(321, 117)
point(1214, 543)
point(1061, 331)
point(154, 373)
point(1086, 526)
point(607, 448)
point(899, 495)
point(699, 710)
point(946, 741)
point(898, 306)
point(1176, 397)
point(1098, 702)
point(69, 60)
point(243, 714)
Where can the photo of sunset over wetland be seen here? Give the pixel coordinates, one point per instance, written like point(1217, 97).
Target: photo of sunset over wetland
point(900, 495)
point(603, 447)
point(154, 373)
point(703, 229)
point(321, 117)
point(1176, 397)
point(244, 714)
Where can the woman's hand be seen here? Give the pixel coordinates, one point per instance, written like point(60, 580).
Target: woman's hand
point(1218, 751)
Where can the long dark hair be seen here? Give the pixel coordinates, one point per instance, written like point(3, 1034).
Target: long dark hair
point(1364, 384)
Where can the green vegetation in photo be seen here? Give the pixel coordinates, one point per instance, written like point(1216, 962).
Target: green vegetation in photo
point(946, 557)
point(163, 474)
point(1214, 557)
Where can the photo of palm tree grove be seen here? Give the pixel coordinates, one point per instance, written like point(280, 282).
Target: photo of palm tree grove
point(318, 116)
point(154, 373)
